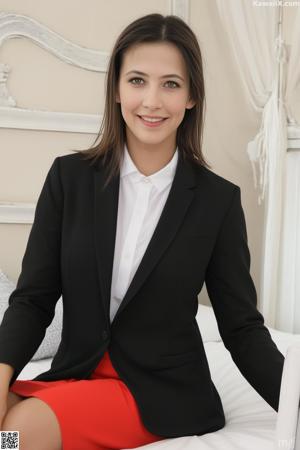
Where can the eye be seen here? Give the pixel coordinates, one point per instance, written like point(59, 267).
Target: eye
point(133, 79)
point(174, 82)
point(169, 81)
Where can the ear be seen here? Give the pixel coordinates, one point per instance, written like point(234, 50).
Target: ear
point(190, 104)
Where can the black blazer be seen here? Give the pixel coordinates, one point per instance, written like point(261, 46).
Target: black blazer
point(154, 341)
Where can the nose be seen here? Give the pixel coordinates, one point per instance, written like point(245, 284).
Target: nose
point(152, 98)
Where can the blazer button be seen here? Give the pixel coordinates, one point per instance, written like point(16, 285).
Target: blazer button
point(104, 334)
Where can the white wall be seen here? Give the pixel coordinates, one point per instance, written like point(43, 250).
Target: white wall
point(38, 80)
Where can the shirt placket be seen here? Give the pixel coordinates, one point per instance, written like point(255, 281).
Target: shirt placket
point(136, 222)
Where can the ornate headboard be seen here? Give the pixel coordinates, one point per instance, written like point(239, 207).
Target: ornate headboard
point(11, 116)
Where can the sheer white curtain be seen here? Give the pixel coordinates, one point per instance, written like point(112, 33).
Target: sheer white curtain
point(256, 39)
point(288, 313)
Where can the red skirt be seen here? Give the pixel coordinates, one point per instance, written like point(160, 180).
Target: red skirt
point(95, 414)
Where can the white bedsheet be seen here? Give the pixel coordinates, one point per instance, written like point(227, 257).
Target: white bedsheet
point(250, 421)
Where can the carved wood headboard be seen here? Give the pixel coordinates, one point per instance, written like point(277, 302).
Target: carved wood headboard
point(11, 116)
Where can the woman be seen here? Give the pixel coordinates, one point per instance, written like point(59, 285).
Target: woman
point(128, 232)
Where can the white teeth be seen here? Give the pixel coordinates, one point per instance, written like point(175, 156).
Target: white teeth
point(151, 120)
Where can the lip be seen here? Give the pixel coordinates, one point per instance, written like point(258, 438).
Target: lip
point(152, 124)
point(151, 117)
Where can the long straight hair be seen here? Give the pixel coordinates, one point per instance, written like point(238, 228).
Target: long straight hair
point(151, 28)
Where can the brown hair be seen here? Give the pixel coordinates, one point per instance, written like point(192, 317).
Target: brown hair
point(152, 28)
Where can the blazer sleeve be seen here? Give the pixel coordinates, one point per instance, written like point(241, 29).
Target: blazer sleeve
point(31, 306)
point(234, 300)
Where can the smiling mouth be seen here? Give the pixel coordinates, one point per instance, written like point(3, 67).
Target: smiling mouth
point(156, 120)
point(152, 123)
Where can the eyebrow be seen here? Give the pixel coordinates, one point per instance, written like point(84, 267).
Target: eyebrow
point(173, 75)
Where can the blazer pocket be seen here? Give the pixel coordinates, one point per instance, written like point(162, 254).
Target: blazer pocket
point(174, 360)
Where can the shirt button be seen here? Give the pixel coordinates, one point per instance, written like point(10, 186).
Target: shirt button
point(146, 180)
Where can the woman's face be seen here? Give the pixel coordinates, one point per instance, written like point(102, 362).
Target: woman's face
point(153, 93)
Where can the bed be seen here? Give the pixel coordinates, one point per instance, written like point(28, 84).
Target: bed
point(250, 422)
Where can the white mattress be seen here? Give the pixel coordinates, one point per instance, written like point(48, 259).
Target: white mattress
point(250, 421)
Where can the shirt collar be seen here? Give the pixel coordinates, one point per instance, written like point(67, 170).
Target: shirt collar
point(160, 179)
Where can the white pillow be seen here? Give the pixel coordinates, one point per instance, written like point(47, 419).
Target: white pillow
point(207, 324)
point(52, 338)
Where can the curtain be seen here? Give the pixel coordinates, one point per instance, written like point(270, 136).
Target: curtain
point(270, 78)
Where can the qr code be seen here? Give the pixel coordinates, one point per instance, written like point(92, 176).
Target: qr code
point(10, 439)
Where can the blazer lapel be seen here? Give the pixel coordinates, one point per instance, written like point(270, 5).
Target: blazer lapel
point(106, 210)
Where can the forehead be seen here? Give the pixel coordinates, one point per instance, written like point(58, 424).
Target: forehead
point(154, 58)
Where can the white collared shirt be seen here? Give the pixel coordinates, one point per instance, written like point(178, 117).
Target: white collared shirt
point(141, 201)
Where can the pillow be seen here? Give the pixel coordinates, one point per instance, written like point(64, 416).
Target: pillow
point(208, 324)
point(52, 338)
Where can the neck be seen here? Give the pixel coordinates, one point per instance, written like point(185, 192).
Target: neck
point(150, 162)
